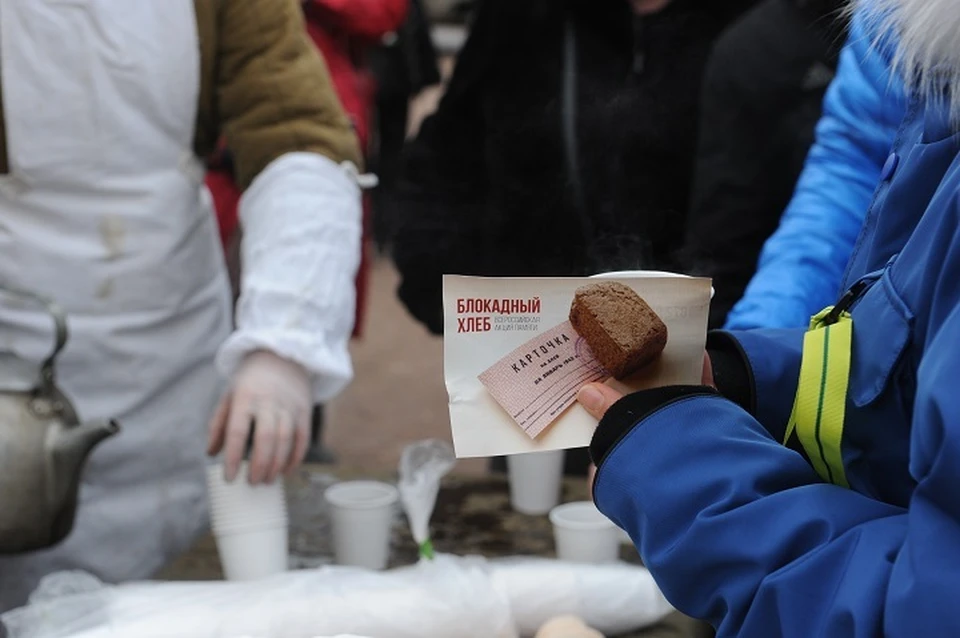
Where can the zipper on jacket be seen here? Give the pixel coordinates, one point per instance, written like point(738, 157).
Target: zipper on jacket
point(855, 292)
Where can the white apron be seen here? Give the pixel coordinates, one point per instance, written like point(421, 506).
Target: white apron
point(104, 211)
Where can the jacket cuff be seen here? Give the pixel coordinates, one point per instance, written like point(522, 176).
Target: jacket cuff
point(732, 373)
point(733, 376)
point(632, 409)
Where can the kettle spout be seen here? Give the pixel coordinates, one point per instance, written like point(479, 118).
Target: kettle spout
point(96, 431)
point(86, 436)
point(74, 445)
point(68, 453)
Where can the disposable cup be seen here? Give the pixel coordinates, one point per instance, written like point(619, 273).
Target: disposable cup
point(238, 513)
point(263, 503)
point(641, 274)
point(238, 503)
point(254, 553)
point(535, 481)
point(362, 513)
point(249, 524)
point(583, 534)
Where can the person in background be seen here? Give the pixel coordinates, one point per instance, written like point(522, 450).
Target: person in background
point(808, 487)
point(403, 67)
point(802, 264)
point(106, 109)
point(343, 32)
point(563, 145)
point(762, 95)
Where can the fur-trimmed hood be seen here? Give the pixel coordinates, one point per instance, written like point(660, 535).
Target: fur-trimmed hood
point(924, 37)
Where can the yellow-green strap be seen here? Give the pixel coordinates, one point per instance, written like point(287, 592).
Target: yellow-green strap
point(820, 404)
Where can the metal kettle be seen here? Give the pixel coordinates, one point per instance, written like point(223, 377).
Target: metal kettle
point(43, 449)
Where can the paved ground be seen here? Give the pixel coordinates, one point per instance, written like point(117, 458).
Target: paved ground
point(398, 396)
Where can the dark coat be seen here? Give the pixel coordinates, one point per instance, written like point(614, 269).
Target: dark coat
point(485, 186)
point(762, 96)
point(407, 65)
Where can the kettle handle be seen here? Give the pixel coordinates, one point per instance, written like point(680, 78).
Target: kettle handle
point(60, 331)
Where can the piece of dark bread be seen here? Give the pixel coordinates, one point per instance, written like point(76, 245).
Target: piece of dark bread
point(624, 333)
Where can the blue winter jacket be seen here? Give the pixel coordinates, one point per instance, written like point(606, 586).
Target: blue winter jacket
point(737, 528)
point(802, 263)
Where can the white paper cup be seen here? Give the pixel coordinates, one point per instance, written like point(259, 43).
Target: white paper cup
point(249, 524)
point(583, 534)
point(253, 554)
point(535, 481)
point(362, 514)
point(239, 504)
point(640, 274)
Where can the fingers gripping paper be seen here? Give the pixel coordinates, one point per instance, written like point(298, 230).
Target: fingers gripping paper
point(513, 363)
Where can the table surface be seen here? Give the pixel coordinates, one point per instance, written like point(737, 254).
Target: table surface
point(472, 517)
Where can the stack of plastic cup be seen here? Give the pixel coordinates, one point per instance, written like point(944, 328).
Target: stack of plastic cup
point(362, 514)
point(249, 524)
point(535, 481)
point(583, 534)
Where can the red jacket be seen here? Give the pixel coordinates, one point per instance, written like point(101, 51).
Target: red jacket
point(341, 29)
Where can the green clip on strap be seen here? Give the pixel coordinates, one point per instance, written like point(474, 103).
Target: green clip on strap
point(820, 404)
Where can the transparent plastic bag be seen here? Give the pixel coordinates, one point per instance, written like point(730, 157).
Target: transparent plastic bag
point(613, 598)
point(445, 598)
point(449, 597)
point(422, 466)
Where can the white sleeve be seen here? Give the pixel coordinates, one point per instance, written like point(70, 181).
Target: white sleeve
point(301, 220)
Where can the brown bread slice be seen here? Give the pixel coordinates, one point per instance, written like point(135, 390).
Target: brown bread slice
point(624, 333)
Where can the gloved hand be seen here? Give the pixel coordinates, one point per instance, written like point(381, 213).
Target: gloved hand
point(596, 398)
point(270, 395)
